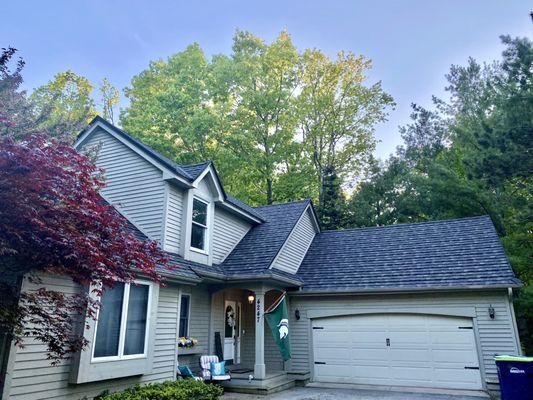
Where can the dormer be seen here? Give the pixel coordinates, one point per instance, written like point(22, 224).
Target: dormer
point(199, 215)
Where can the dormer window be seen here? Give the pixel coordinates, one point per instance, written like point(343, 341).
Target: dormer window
point(199, 225)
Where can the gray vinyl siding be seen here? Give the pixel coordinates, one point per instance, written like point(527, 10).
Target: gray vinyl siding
point(199, 316)
point(174, 219)
point(31, 377)
point(228, 230)
point(293, 251)
point(134, 185)
point(495, 336)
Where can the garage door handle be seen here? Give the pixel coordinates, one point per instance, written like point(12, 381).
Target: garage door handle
point(471, 367)
point(320, 362)
point(318, 327)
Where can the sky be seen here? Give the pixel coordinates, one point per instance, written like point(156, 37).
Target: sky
point(412, 42)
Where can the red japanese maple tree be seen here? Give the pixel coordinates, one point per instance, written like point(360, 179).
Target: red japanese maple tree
point(53, 220)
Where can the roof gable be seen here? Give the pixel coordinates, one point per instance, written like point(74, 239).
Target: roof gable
point(257, 250)
point(187, 176)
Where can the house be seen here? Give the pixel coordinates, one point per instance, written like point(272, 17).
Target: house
point(415, 305)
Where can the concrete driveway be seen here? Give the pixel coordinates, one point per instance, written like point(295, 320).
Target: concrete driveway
point(315, 393)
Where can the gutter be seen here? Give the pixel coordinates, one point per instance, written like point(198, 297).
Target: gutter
point(245, 278)
point(329, 292)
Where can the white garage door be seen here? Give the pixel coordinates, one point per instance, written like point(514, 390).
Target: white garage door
point(397, 350)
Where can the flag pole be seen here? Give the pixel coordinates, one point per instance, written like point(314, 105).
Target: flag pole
point(276, 303)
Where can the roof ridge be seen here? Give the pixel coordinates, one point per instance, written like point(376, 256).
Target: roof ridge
point(196, 164)
point(284, 204)
point(438, 221)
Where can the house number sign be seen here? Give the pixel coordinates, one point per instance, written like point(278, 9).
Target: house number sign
point(258, 308)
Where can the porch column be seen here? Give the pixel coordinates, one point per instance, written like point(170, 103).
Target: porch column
point(259, 367)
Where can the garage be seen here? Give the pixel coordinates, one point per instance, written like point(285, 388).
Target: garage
point(397, 350)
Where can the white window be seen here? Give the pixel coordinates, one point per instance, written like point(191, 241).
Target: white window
point(199, 225)
point(184, 315)
point(122, 327)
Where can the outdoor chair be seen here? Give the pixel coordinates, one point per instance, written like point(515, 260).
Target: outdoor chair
point(184, 372)
point(205, 364)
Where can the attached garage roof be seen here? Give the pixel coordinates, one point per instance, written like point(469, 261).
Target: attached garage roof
point(458, 253)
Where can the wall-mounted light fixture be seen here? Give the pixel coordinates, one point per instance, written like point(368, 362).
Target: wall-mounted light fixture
point(251, 299)
point(297, 314)
point(492, 313)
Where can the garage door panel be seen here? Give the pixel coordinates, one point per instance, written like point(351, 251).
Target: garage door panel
point(331, 353)
point(466, 379)
point(459, 336)
point(412, 355)
point(331, 337)
point(408, 338)
point(465, 357)
point(376, 354)
point(423, 350)
point(411, 374)
point(364, 339)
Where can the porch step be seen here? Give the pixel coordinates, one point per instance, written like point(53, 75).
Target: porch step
point(239, 386)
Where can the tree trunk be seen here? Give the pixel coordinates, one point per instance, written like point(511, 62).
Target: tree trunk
point(269, 191)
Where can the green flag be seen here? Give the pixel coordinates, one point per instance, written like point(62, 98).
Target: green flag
point(278, 321)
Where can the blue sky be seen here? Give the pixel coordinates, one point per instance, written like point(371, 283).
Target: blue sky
point(411, 42)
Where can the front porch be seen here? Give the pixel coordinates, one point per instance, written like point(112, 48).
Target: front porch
point(240, 335)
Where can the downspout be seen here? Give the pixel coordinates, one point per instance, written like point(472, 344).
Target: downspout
point(513, 318)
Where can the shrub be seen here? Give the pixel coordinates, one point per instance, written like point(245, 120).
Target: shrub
point(187, 389)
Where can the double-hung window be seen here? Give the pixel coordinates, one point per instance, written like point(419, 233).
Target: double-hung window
point(184, 315)
point(123, 320)
point(199, 225)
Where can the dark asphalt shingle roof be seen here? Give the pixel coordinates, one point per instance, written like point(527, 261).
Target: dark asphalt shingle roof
point(243, 206)
point(442, 254)
point(256, 251)
point(194, 170)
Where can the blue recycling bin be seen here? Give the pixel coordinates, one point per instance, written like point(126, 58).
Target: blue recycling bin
point(516, 377)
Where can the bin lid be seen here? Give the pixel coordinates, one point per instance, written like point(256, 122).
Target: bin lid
point(513, 358)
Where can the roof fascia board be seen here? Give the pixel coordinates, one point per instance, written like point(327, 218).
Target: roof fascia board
point(442, 289)
point(315, 218)
point(262, 278)
point(288, 237)
point(237, 210)
point(167, 173)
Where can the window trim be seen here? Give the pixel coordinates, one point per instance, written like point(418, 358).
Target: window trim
point(123, 323)
point(205, 250)
point(188, 315)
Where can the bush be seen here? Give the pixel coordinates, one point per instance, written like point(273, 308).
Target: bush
point(187, 389)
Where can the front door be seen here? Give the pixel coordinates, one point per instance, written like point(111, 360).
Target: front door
point(231, 326)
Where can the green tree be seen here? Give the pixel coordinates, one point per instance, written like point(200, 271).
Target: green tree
point(338, 114)
point(256, 114)
point(109, 99)
point(171, 107)
point(66, 104)
point(16, 114)
point(261, 80)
